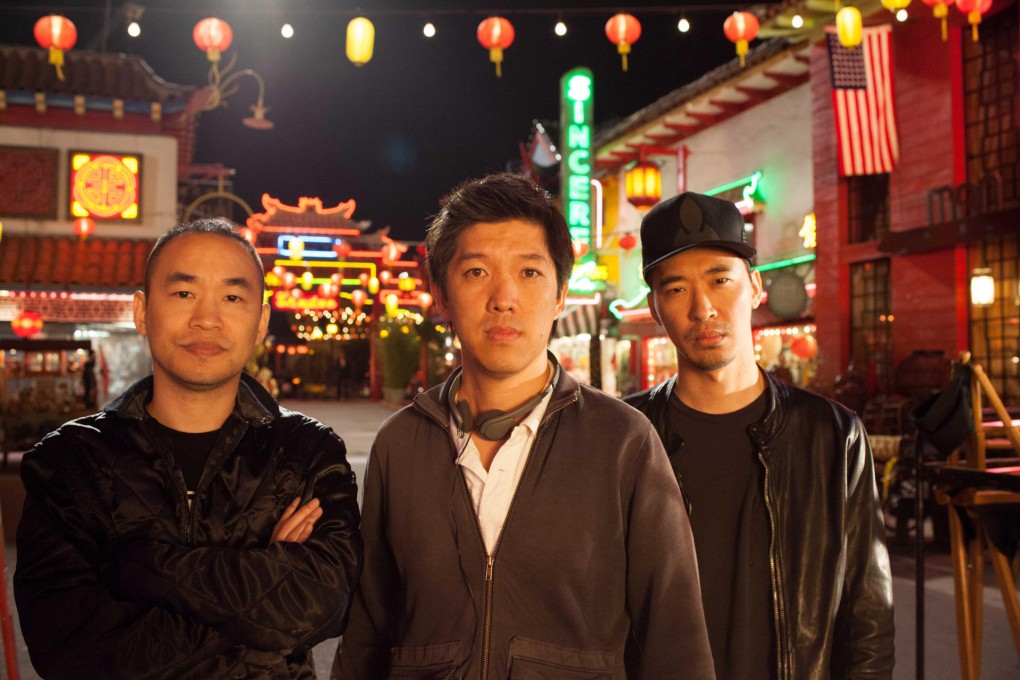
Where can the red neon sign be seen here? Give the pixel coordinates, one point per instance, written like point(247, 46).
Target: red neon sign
point(285, 300)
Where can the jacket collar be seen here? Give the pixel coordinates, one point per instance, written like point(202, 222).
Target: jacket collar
point(435, 402)
point(254, 404)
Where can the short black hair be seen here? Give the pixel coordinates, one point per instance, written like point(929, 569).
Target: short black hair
point(496, 198)
point(206, 225)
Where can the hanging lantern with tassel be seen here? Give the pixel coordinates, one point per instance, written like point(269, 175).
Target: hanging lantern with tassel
point(974, 9)
point(360, 41)
point(940, 10)
point(496, 34)
point(57, 34)
point(848, 27)
point(643, 184)
point(741, 28)
point(213, 36)
point(623, 30)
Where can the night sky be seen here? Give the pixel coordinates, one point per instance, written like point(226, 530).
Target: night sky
point(423, 115)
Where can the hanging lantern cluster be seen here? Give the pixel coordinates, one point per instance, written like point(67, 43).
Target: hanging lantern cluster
point(848, 27)
point(974, 9)
point(26, 324)
point(57, 34)
point(741, 28)
point(496, 34)
point(360, 41)
point(623, 30)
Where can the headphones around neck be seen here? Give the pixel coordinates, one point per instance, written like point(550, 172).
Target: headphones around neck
point(493, 425)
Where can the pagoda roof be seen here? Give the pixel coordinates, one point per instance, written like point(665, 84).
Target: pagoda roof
point(67, 261)
point(102, 75)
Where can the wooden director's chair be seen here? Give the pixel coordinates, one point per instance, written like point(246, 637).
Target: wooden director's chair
point(971, 486)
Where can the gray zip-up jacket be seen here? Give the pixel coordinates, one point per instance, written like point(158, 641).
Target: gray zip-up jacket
point(594, 575)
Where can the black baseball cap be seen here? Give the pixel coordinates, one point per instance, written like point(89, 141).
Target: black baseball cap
point(687, 221)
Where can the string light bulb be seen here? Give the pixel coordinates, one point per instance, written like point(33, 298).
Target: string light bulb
point(429, 30)
point(287, 31)
point(683, 25)
point(134, 29)
point(561, 29)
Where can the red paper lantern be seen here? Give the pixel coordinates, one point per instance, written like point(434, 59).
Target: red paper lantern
point(213, 36)
point(342, 250)
point(628, 241)
point(84, 226)
point(57, 34)
point(741, 28)
point(288, 279)
point(358, 297)
point(804, 346)
point(26, 324)
point(623, 30)
point(385, 276)
point(496, 34)
point(974, 9)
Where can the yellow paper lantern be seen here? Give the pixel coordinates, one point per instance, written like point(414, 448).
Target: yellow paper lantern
point(392, 304)
point(643, 185)
point(373, 285)
point(895, 5)
point(848, 27)
point(360, 41)
point(296, 247)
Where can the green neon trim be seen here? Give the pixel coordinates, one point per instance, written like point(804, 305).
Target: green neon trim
point(785, 263)
point(750, 184)
point(616, 305)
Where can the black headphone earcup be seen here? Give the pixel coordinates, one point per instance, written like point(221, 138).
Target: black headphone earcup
point(496, 425)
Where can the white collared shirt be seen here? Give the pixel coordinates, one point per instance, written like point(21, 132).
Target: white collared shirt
point(492, 490)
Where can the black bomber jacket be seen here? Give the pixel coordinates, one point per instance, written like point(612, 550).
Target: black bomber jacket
point(118, 576)
point(831, 582)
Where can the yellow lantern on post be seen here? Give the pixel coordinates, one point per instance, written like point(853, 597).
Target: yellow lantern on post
point(360, 41)
point(848, 27)
point(643, 184)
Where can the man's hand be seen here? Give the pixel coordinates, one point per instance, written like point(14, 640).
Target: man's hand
point(296, 524)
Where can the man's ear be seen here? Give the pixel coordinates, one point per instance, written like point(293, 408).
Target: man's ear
point(439, 300)
point(756, 288)
point(138, 311)
point(650, 301)
point(263, 324)
point(561, 301)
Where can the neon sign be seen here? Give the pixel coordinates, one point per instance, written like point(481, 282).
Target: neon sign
point(105, 186)
point(285, 300)
point(576, 116)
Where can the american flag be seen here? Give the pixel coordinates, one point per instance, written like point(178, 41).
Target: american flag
point(862, 101)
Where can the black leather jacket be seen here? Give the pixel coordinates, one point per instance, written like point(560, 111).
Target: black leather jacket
point(118, 577)
point(831, 583)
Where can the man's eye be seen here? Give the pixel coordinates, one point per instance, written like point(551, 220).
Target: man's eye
point(475, 272)
point(233, 298)
point(182, 294)
point(532, 273)
point(722, 279)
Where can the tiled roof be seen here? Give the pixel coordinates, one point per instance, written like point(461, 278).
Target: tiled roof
point(93, 74)
point(59, 261)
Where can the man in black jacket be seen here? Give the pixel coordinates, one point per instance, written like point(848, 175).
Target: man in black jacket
point(193, 528)
point(794, 572)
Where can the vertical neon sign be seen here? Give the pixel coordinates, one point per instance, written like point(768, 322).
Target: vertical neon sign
point(575, 170)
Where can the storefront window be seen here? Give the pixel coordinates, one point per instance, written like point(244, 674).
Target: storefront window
point(574, 355)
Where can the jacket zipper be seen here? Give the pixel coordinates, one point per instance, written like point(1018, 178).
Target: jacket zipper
point(490, 559)
point(777, 604)
point(488, 616)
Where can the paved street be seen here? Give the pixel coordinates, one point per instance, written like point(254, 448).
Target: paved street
point(357, 422)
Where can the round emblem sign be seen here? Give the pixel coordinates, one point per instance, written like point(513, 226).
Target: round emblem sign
point(105, 187)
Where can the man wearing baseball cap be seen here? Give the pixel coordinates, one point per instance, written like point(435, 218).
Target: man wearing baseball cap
point(789, 533)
